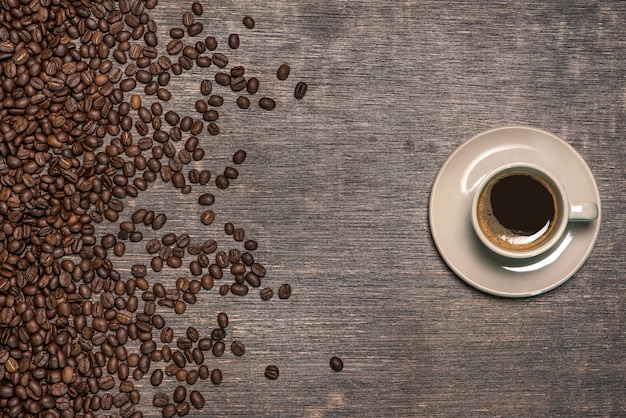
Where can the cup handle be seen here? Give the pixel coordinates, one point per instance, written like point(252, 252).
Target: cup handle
point(583, 212)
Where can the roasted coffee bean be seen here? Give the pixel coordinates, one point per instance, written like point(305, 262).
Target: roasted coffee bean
point(216, 376)
point(233, 41)
point(284, 291)
point(196, 399)
point(207, 217)
point(266, 293)
point(239, 156)
point(223, 79)
point(160, 400)
point(336, 364)
point(206, 87)
point(283, 72)
point(219, 59)
point(252, 86)
point(210, 42)
point(180, 394)
point(271, 372)
point(300, 90)
point(237, 348)
point(243, 102)
point(196, 8)
point(221, 181)
point(267, 103)
point(206, 199)
point(248, 22)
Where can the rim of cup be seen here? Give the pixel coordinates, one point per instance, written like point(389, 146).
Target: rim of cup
point(562, 216)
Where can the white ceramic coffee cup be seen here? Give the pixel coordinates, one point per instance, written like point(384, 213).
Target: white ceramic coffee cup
point(565, 211)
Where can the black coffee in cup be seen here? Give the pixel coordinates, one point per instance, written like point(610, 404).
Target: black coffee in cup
point(518, 209)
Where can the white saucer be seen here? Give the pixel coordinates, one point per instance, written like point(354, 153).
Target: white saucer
point(450, 207)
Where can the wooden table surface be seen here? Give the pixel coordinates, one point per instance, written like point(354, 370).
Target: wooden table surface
point(335, 189)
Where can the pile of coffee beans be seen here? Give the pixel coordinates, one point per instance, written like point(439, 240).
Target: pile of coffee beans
point(84, 126)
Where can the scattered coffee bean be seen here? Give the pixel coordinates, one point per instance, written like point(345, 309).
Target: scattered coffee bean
point(248, 22)
point(196, 399)
point(300, 90)
point(283, 72)
point(336, 364)
point(284, 291)
point(271, 372)
point(267, 103)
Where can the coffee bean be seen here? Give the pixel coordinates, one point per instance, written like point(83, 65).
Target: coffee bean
point(195, 29)
point(196, 8)
point(284, 291)
point(219, 59)
point(267, 103)
point(266, 293)
point(271, 372)
point(237, 348)
point(336, 364)
point(196, 399)
point(223, 79)
point(243, 102)
point(206, 199)
point(207, 217)
point(180, 394)
point(221, 181)
point(216, 376)
point(206, 87)
point(283, 72)
point(248, 22)
point(252, 86)
point(160, 400)
point(300, 90)
point(233, 41)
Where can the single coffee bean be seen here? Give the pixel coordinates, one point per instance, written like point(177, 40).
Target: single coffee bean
point(197, 9)
point(300, 90)
point(180, 394)
point(252, 86)
point(206, 87)
point(216, 376)
point(160, 400)
point(284, 291)
point(243, 102)
point(283, 72)
point(238, 348)
point(221, 181)
point(271, 372)
point(239, 156)
point(206, 199)
point(267, 103)
point(196, 399)
point(195, 29)
point(207, 217)
point(248, 22)
point(233, 41)
point(231, 173)
point(219, 59)
point(266, 293)
point(336, 364)
point(223, 79)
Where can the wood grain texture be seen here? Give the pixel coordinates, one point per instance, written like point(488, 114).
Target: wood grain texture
point(336, 188)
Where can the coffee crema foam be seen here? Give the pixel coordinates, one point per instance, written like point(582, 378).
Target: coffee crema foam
point(504, 237)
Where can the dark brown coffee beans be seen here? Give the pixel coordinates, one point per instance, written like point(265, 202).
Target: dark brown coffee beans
point(336, 364)
point(248, 22)
point(237, 348)
point(284, 291)
point(267, 103)
point(283, 72)
point(271, 372)
point(196, 399)
point(300, 90)
point(233, 41)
